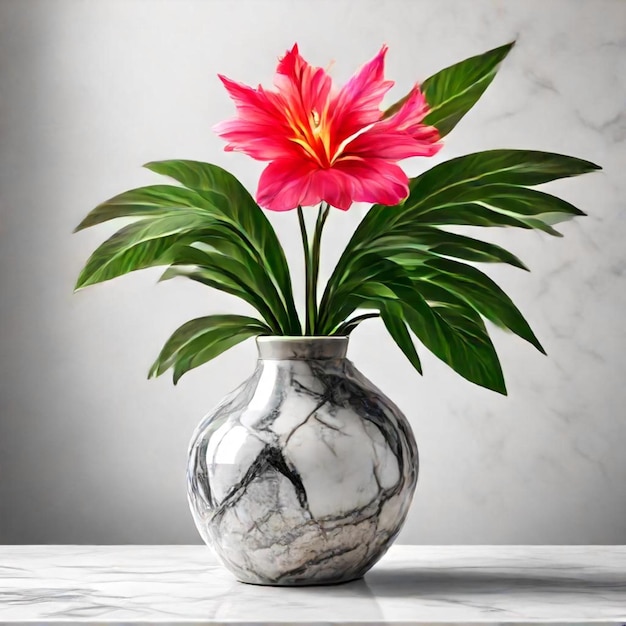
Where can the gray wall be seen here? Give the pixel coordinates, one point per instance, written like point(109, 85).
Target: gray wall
point(90, 451)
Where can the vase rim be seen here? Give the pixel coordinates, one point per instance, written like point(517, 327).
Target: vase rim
point(303, 347)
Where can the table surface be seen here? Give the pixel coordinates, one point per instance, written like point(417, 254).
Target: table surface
point(411, 585)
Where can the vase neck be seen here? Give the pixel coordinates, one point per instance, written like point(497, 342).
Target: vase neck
point(301, 348)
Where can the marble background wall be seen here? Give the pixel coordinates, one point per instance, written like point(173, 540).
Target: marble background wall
point(90, 451)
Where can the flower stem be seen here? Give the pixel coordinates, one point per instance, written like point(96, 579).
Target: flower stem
point(309, 305)
point(311, 265)
point(315, 260)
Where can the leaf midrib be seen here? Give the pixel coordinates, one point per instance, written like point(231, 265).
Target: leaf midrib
point(460, 94)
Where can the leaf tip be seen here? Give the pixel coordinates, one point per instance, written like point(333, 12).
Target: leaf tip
point(504, 50)
point(521, 265)
point(538, 345)
point(166, 275)
point(79, 286)
point(178, 373)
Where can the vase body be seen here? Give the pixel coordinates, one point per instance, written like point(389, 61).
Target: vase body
point(305, 473)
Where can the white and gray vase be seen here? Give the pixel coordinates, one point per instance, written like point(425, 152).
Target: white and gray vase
point(305, 473)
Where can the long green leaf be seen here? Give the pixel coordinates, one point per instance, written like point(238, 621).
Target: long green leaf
point(494, 177)
point(244, 212)
point(202, 339)
point(463, 344)
point(478, 214)
point(152, 201)
point(393, 318)
point(138, 246)
point(368, 279)
point(414, 242)
point(508, 198)
point(202, 216)
point(449, 181)
point(448, 327)
point(230, 275)
point(481, 189)
point(199, 352)
point(211, 278)
point(479, 291)
point(345, 328)
point(455, 336)
point(453, 91)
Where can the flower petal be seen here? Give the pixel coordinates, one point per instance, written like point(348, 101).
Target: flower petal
point(410, 115)
point(259, 141)
point(252, 104)
point(375, 180)
point(303, 87)
point(303, 96)
point(286, 184)
point(261, 130)
point(333, 186)
point(400, 136)
point(358, 102)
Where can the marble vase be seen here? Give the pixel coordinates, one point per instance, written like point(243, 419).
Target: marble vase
point(305, 473)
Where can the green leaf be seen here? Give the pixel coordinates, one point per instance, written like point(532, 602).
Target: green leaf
point(217, 270)
point(173, 215)
point(449, 181)
point(368, 279)
point(512, 199)
point(403, 247)
point(481, 189)
point(392, 316)
point(201, 340)
point(468, 214)
point(452, 331)
point(479, 183)
point(244, 212)
point(477, 290)
point(448, 327)
point(198, 353)
point(211, 278)
point(151, 201)
point(138, 246)
point(462, 342)
point(159, 201)
point(453, 91)
point(349, 325)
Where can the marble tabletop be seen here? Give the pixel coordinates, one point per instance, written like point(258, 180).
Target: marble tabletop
point(411, 585)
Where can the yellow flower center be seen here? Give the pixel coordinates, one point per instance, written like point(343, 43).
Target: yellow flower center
point(313, 135)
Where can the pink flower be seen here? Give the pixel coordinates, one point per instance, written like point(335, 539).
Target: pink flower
point(325, 143)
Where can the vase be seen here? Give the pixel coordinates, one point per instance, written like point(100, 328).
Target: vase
point(305, 473)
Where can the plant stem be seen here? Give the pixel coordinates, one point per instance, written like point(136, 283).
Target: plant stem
point(315, 261)
point(309, 305)
point(312, 265)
